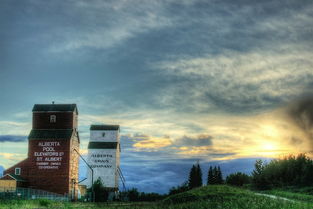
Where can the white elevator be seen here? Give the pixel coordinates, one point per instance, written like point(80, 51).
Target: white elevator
point(104, 155)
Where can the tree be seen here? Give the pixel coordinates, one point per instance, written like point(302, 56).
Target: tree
point(287, 171)
point(182, 188)
point(192, 177)
point(198, 176)
point(133, 195)
point(101, 194)
point(215, 176)
point(195, 177)
point(219, 176)
point(210, 176)
point(238, 179)
point(259, 179)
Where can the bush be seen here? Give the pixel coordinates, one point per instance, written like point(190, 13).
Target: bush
point(44, 202)
point(181, 198)
point(238, 179)
point(133, 195)
point(100, 192)
point(179, 189)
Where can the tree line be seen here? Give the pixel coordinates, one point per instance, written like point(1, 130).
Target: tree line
point(291, 170)
point(195, 179)
point(288, 171)
point(101, 194)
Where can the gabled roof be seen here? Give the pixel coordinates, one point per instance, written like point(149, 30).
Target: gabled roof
point(50, 134)
point(15, 177)
point(55, 108)
point(105, 127)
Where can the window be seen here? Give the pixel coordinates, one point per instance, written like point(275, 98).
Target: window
point(53, 118)
point(103, 134)
point(17, 171)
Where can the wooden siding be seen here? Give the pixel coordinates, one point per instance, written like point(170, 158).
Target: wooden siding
point(64, 120)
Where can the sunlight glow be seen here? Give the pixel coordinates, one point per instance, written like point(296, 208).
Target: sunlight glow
point(270, 131)
point(268, 146)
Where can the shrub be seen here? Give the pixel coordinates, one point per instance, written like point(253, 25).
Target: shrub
point(179, 189)
point(100, 192)
point(44, 202)
point(181, 198)
point(238, 179)
point(133, 195)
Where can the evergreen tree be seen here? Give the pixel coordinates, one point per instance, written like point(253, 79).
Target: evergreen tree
point(259, 179)
point(210, 176)
point(195, 177)
point(214, 175)
point(192, 177)
point(219, 176)
point(198, 176)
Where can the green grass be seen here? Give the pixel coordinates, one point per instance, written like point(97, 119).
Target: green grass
point(223, 197)
point(291, 195)
point(229, 198)
point(302, 190)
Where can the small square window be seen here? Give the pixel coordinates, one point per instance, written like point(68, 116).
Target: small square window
point(17, 171)
point(53, 118)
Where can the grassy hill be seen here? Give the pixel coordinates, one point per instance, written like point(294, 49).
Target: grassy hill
point(227, 197)
point(223, 197)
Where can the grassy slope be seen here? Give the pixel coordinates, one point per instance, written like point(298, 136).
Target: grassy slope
point(230, 198)
point(223, 197)
point(291, 195)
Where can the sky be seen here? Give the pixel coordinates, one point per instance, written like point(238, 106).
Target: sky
point(219, 82)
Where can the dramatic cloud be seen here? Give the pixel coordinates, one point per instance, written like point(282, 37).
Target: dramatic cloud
point(301, 113)
point(12, 138)
point(103, 24)
point(15, 128)
point(240, 82)
point(186, 80)
point(201, 140)
point(153, 143)
point(10, 159)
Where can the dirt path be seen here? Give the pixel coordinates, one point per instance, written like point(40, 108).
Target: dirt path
point(275, 197)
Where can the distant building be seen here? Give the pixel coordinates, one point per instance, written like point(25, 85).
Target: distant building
point(9, 182)
point(52, 163)
point(104, 155)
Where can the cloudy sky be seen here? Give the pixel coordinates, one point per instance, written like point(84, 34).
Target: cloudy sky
point(222, 82)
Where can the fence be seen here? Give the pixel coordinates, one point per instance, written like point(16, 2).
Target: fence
point(28, 193)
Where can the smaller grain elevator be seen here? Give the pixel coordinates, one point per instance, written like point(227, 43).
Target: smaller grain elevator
point(104, 155)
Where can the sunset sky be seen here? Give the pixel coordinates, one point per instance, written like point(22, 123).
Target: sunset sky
point(222, 82)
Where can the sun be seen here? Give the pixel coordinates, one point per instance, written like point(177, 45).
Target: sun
point(269, 146)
